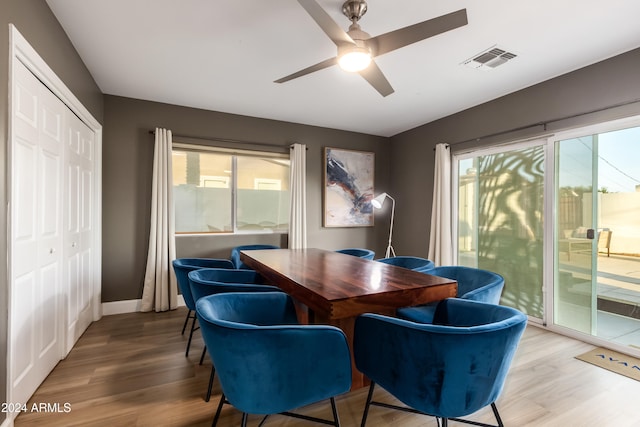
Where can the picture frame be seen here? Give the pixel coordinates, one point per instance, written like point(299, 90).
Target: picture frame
point(348, 188)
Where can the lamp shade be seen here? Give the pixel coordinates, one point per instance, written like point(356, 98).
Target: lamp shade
point(379, 200)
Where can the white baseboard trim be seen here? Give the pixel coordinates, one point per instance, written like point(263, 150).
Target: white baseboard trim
point(8, 422)
point(128, 306)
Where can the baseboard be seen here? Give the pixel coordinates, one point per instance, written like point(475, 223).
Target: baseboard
point(8, 422)
point(128, 306)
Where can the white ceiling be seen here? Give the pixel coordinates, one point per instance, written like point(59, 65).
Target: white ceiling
point(224, 55)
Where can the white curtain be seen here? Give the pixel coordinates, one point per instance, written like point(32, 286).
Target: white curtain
point(441, 238)
point(298, 211)
point(160, 292)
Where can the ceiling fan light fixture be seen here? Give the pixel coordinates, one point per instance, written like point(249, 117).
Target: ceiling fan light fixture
point(356, 48)
point(355, 59)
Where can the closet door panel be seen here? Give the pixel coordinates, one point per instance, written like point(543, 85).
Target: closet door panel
point(72, 236)
point(78, 231)
point(47, 302)
point(36, 233)
point(24, 245)
point(86, 226)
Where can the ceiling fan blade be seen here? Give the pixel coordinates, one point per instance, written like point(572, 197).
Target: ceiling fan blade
point(328, 25)
point(317, 67)
point(374, 76)
point(414, 33)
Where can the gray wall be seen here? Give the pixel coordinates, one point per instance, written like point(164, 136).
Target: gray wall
point(608, 83)
point(127, 166)
point(37, 24)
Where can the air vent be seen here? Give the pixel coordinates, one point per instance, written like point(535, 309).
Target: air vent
point(490, 58)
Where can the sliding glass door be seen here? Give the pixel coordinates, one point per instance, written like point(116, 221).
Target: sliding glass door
point(597, 238)
point(559, 218)
point(575, 293)
point(500, 223)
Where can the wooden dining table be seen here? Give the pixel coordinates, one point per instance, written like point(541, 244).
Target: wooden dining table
point(333, 288)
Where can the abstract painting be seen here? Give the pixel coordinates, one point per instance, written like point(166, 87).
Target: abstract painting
point(348, 188)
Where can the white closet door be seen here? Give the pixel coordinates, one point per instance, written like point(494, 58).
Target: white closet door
point(78, 228)
point(36, 230)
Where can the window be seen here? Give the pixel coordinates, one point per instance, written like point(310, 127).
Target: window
point(222, 192)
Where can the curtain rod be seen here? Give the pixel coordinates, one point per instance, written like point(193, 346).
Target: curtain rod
point(227, 140)
point(545, 123)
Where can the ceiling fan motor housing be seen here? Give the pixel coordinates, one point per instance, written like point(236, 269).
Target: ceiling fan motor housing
point(354, 9)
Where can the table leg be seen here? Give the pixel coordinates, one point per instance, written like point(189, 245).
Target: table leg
point(347, 324)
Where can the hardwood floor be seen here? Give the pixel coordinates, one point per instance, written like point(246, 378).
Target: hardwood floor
point(130, 370)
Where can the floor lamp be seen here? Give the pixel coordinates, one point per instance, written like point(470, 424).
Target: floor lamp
point(377, 203)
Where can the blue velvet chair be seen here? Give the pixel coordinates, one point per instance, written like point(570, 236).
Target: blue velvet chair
point(415, 263)
point(473, 284)
point(267, 363)
point(448, 369)
point(235, 253)
point(182, 267)
point(361, 253)
point(210, 281)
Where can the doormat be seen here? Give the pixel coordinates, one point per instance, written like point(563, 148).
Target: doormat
point(613, 361)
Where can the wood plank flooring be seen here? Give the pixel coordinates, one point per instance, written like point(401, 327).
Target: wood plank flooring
point(130, 370)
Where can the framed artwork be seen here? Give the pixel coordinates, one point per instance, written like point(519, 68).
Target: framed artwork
point(348, 188)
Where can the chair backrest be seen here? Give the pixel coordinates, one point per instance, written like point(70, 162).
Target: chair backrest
point(265, 361)
point(604, 239)
point(235, 253)
point(415, 263)
point(182, 267)
point(359, 252)
point(209, 281)
point(446, 370)
point(473, 283)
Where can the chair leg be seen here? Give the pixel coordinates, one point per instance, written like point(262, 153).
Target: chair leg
point(497, 415)
point(365, 413)
point(204, 351)
point(444, 422)
point(193, 328)
point(213, 374)
point(244, 419)
point(215, 418)
point(494, 408)
point(186, 320)
point(336, 419)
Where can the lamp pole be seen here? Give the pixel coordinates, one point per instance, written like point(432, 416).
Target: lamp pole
point(377, 203)
point(389, 247)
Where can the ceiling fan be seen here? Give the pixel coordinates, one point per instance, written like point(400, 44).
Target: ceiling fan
point(356, 48)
